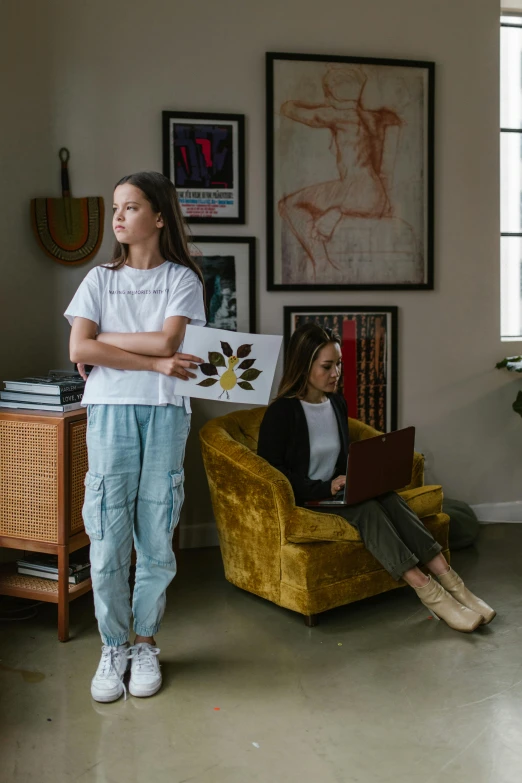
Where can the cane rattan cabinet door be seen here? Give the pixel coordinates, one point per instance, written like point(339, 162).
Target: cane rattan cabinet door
point(78, 447)
point(29, 479)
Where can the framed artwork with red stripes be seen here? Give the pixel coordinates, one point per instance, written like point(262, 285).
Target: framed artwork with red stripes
point(369, 339)
point(204, 156)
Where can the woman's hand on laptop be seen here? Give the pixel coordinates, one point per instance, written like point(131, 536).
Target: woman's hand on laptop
point(338, 484)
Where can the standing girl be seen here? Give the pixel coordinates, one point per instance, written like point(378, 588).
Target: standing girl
point(128, 320)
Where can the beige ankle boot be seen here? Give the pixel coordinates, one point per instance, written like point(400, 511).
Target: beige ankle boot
point(443, 605)
point(454, 585)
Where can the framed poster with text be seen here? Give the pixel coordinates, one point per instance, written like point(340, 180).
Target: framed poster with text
point(204, 156)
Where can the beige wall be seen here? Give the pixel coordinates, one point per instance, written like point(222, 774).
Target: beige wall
point(95, 76)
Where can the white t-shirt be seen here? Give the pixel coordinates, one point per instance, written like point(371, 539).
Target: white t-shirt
point(325, 443)
point(136, 300)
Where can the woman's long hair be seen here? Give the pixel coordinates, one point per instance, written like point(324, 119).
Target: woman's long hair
point(161, 194)
point(305, 344)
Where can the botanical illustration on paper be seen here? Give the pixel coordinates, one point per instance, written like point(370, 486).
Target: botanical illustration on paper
point(223, 369)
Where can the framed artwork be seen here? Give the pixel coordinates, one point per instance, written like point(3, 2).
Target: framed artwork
point(229, 269)
point(369, 351)
point(349, 173)
point(204, 156)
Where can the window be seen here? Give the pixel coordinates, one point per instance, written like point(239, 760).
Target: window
point(511, 176)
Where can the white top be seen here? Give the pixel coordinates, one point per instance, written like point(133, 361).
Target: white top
point(136, 300)
point(325, 442)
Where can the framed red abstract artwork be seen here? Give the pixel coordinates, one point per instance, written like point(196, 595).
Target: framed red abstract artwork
point(204, 156)
point(369, 341)
point(349, 173)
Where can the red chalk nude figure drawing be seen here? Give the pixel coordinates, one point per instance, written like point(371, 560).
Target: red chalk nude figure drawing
point(364, 224)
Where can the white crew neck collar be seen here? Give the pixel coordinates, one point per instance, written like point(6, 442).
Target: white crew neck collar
point(153, 269)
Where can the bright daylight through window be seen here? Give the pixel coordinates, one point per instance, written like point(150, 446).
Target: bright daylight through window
point(511, 176)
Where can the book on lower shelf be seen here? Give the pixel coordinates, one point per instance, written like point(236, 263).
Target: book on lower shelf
point(46, 567)
point(73, 579)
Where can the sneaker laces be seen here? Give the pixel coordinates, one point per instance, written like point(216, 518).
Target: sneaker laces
point(142, 656)
point(107, 664)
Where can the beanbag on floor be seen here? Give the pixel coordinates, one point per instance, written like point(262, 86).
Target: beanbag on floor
point(464, 525)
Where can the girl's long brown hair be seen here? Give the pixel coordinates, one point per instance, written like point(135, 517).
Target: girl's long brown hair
point(304, 345)
point(173, 245)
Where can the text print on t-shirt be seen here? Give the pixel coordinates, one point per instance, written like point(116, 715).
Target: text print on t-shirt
point(142, 291)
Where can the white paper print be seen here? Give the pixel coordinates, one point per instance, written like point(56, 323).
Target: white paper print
point(237, 367)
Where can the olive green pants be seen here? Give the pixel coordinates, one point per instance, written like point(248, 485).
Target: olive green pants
point(391, 531)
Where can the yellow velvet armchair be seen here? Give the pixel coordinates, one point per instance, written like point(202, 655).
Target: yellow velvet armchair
point(292, 556)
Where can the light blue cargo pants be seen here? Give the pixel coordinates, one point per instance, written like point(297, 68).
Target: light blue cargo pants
point(133, 489)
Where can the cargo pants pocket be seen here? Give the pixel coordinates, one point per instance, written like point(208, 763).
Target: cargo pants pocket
point(177, 478)
point(92, 505)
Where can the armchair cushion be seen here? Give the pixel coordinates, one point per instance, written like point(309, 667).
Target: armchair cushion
point(319, 576)
point(306, 526)
point(424, 501)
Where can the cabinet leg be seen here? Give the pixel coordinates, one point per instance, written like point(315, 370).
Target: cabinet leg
point(311, 620)
point(63, 594)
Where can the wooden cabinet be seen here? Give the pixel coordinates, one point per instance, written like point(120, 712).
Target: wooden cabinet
point(43, 461)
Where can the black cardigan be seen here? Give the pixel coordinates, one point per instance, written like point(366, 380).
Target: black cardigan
point(284, 442)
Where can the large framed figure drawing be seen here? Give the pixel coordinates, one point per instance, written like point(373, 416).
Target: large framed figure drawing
point(204, 156)
point(349, 173)
point(369, 341)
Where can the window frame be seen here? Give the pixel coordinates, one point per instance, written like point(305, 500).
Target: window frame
point(516, 23)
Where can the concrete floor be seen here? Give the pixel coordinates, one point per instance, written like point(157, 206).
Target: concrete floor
point(377, 692)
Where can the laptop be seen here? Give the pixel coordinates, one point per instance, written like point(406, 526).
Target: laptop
point(375, 466)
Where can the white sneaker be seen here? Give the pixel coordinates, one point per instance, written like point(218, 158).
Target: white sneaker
point(107, 683)
point(145, 678)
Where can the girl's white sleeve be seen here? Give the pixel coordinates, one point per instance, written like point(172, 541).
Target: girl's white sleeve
point(86, 301)
point(186, 298)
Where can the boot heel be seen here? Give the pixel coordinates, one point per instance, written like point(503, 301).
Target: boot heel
point(431, 612)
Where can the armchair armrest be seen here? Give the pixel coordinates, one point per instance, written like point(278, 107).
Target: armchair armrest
point(360, 431)
point(234, 471)
point(251, 501)
point(305, 526)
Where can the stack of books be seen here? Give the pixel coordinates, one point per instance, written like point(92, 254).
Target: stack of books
point(59, 390)
point(46, 567)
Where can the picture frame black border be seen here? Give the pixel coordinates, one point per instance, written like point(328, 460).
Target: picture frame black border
point(393, 310)
point(166, 116)
point(252, 290)
point(430, 229)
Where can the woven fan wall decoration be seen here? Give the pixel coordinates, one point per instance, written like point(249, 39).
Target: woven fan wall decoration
point(69, 230)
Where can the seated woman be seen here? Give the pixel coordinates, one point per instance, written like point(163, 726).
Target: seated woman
point(304, 434)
